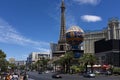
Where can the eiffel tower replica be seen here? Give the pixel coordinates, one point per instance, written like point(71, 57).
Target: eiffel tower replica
point(61, 46)
point(62, 39)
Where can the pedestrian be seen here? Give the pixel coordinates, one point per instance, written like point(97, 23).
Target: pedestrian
point(7, 77)
point(11, 77)
point(25, 77)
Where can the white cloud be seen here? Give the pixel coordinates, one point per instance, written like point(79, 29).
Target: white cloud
point(11, 36)
point(92, 2)
point(91, 18)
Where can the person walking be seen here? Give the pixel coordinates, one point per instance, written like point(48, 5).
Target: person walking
point(7, 77)
point(25, 77)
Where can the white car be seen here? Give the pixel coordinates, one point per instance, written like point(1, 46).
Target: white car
point(15, 77)
point(47, 71)
point(92, 74)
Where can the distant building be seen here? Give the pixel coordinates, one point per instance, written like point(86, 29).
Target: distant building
point(35, 56)
point(19, 63)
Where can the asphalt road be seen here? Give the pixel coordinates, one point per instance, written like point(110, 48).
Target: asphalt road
point(47, 76)
point(36, 76)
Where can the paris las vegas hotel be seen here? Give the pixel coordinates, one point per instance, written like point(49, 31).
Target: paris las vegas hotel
point(104, 44)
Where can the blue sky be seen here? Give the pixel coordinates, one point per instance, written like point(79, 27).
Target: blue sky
point(30, 25)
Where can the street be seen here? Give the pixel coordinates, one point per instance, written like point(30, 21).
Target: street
point(47, 76)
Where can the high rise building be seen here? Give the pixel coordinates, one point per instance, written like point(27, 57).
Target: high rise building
point(112, 31)
point(108, 49)
point(90, 38)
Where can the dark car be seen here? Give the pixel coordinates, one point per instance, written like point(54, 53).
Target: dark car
point(39, 72)
point(116, 73)
point(89, 75)
point(56, 75)
point(108, 73)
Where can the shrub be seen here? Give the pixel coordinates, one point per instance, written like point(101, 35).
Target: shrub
point(116, 70)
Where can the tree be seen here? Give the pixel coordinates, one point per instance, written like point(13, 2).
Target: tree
point(86, 59)
point(65, 61)
point(22, 67)
point(3, 61)
point(2, 55)
point(12, 65)
point(42, 64)
point(33, 66)
point(68, 59)
point(37, 64)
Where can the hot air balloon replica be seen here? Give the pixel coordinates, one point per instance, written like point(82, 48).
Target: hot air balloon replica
point(74, 37)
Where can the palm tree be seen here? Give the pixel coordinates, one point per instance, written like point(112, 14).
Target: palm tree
point(65, 61)
point(38, 63)
point(86, 59)
point(42, 64)
point(45, 63)
point(68, 58)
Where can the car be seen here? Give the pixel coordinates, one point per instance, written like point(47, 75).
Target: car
point(97, 72)
point(108, 73)
point(89, 75)
point(39, 72)
point(56, 75)
point(15, 76)
point(116, 73)
point(47, 72)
